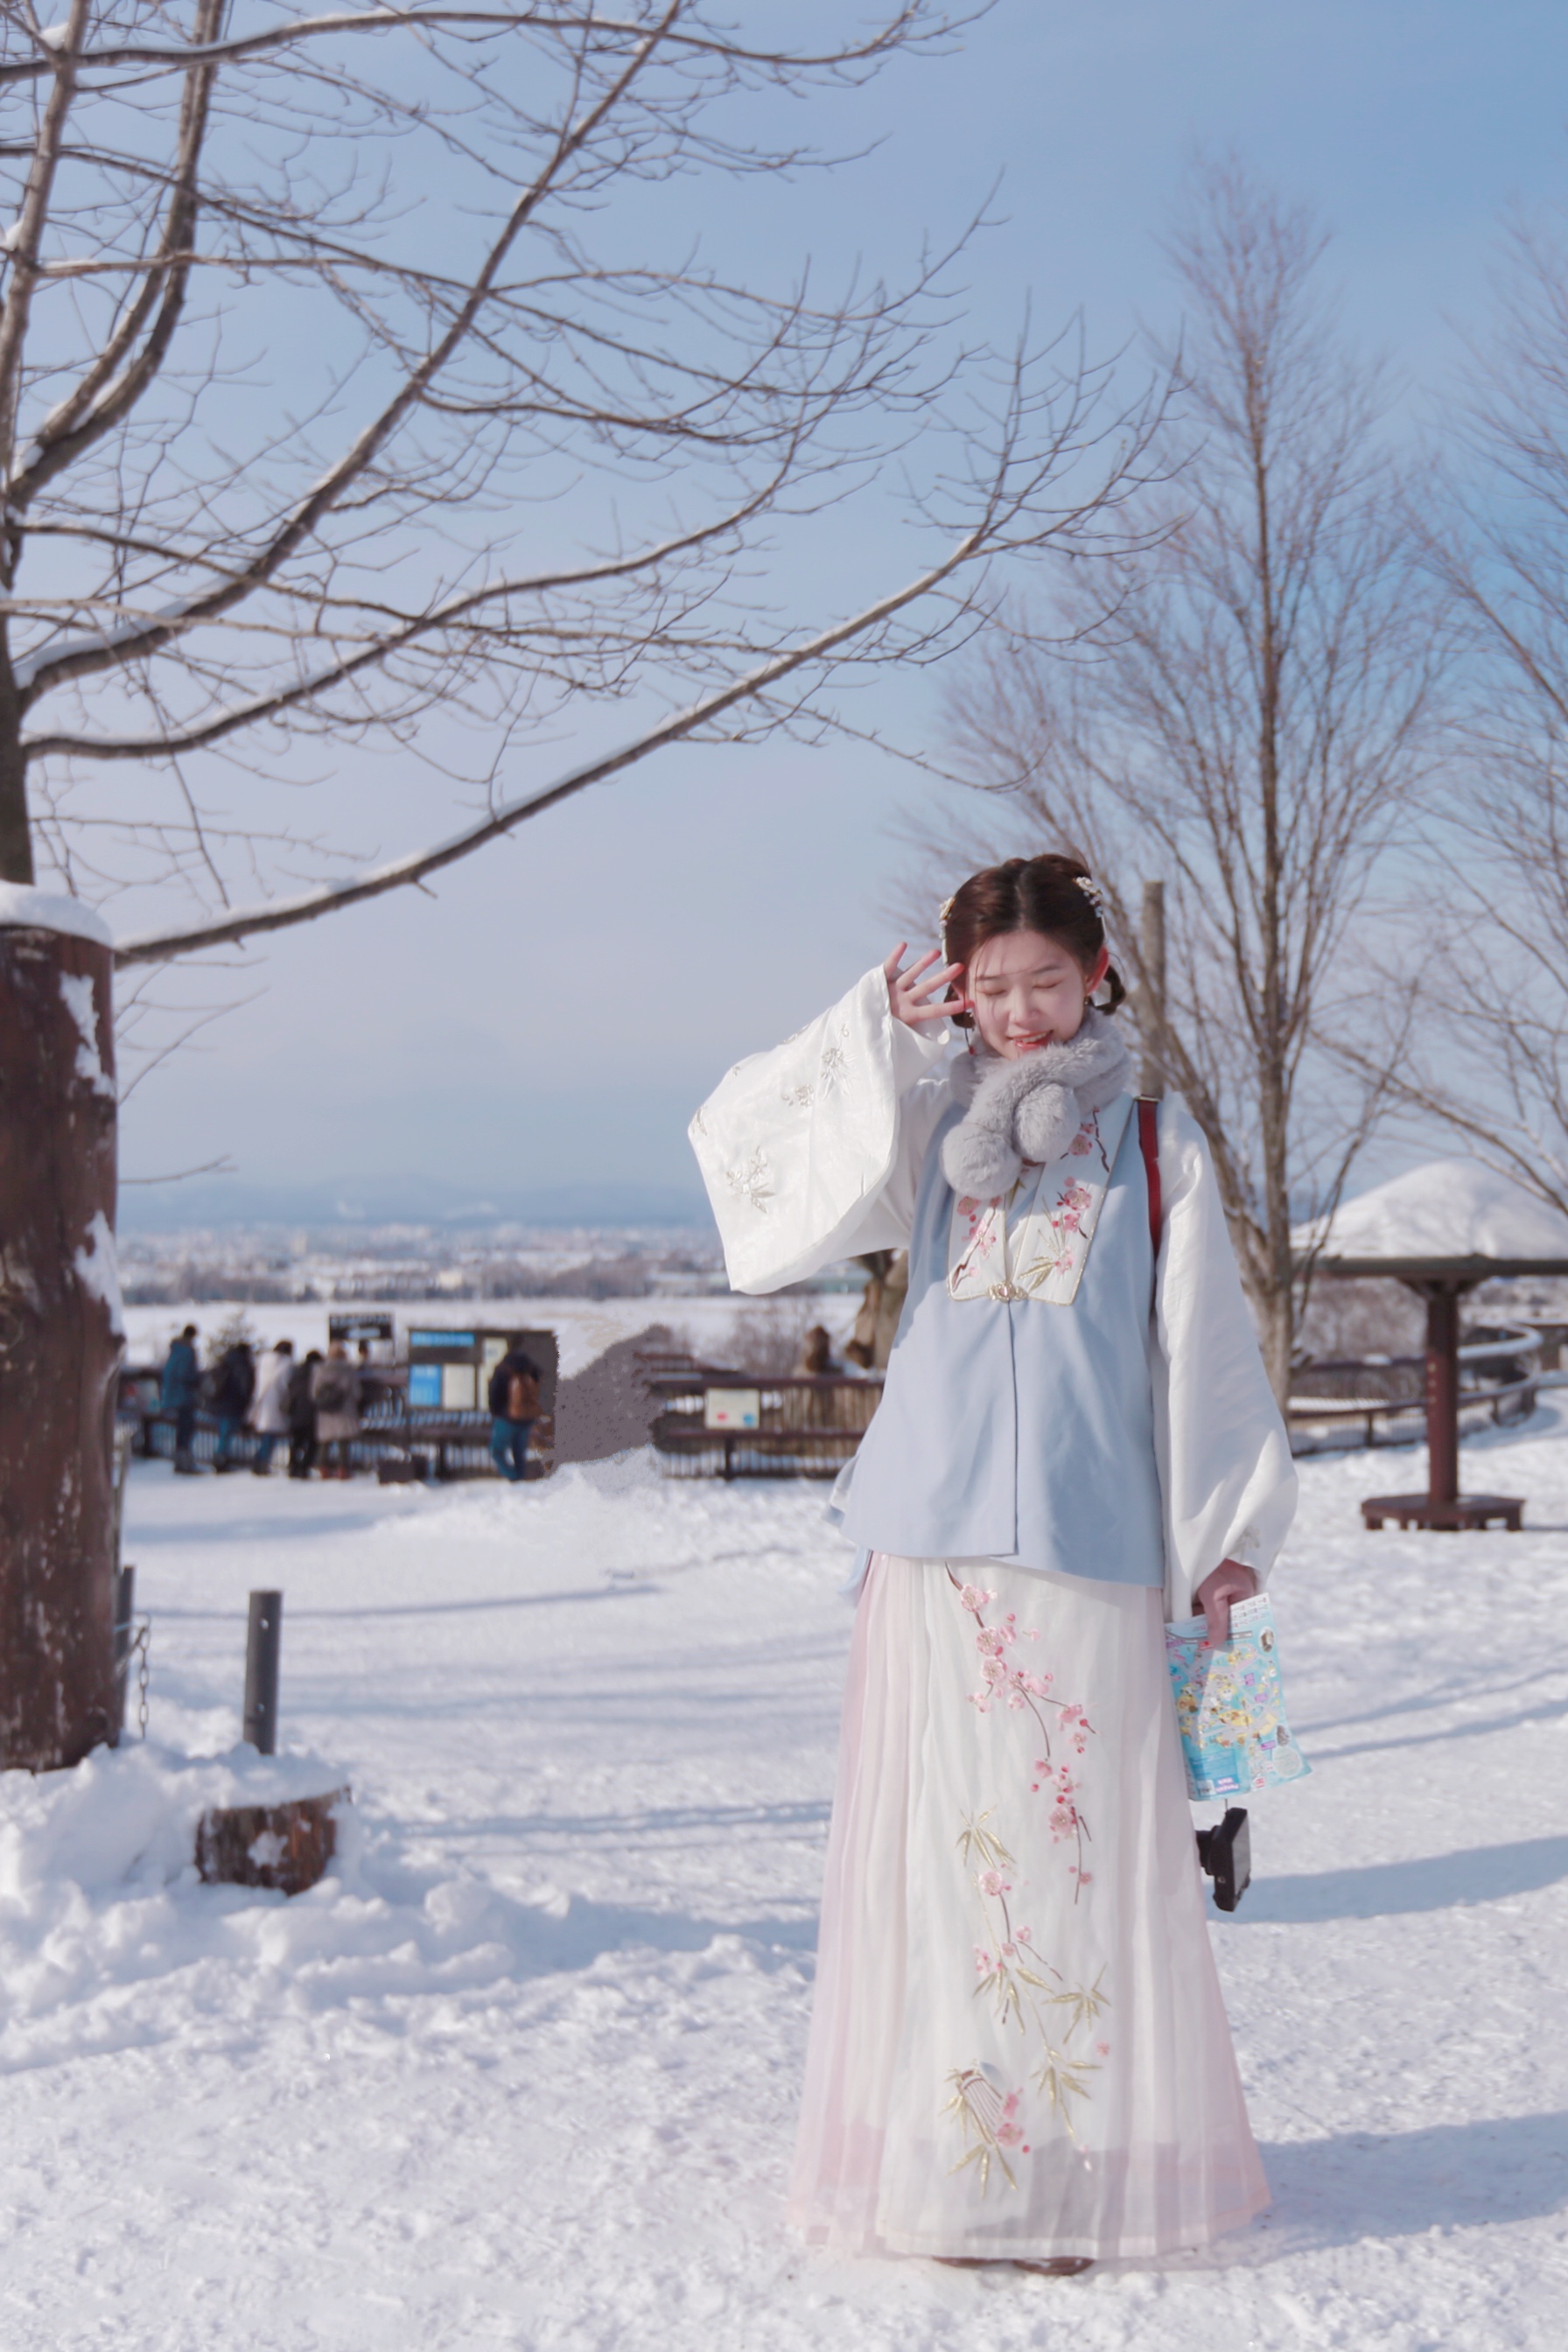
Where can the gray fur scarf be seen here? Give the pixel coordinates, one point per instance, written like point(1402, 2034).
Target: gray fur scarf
point(1031, 1108)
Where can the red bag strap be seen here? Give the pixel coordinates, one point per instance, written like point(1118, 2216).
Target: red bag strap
point(1148, 1144)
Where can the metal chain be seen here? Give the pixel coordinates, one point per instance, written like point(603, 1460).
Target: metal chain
point(140, 1648)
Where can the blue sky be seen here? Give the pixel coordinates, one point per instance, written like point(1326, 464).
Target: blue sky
point(555, 1011)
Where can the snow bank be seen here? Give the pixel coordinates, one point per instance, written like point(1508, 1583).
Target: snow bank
point(100, 1897)
point(127, 1816)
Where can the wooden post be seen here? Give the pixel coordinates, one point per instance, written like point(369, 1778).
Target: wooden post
point(1151, 953)
point(263, 1647)
point(1443, 1394)
point(60, 1333)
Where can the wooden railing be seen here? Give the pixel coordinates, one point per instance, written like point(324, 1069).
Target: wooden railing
point(1385, 1395)
point(807, 1425)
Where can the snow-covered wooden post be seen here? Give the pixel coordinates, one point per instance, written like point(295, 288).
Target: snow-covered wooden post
point(60, 1330)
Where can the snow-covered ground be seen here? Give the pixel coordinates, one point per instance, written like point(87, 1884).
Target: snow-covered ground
point(521, 2071)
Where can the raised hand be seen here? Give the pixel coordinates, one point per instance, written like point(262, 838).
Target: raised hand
point(920, 994)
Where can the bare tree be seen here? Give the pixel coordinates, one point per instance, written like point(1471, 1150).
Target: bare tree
point(1494, 1069)
point(207, 564)
point(360, 385)
point(1237, 708)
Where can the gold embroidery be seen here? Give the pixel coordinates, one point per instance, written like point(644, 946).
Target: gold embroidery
point(989, 2122)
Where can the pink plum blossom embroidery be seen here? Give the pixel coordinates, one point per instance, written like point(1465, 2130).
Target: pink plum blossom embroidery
point(981, 1238)
point(1075, 1199)
point(1064, 1220)
point(1019, 1687)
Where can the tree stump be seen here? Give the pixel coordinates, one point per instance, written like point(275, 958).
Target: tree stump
point(59, 1334)
point(286, 1846)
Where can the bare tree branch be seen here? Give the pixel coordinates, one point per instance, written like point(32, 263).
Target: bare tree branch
point(1494, 533)
point(492, 479)
point(180, 56)
point(1009, 501)
point(1241, 707)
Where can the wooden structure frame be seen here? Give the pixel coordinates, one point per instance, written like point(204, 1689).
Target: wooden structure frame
point(1442, 1282)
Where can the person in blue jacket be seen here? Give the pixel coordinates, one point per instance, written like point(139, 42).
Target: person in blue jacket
point(178, 1392)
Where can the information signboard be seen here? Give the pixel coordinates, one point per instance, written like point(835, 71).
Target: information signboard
point(733, 1409)
point(351, 1329)
point(450, 1372)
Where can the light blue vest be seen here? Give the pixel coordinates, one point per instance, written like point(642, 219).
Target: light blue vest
point(1012, 1430)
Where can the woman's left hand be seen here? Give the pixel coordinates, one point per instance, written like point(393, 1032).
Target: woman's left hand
point(1229, 1581)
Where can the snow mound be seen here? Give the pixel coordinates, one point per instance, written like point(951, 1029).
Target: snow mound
point(108, 1934)
point(127, 1816)
point(1448, 1209)
point(25, 908)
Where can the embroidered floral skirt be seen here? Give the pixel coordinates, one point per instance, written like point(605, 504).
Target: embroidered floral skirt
point(1018, 2045)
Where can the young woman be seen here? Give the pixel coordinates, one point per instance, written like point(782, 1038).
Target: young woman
point(1018, 2048)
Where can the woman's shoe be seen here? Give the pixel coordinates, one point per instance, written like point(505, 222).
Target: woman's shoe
point(1055, 2267)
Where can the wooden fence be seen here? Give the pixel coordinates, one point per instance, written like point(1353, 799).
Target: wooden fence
point(805, 1425)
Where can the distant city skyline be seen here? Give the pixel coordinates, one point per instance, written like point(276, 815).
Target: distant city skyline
point(383, 1203)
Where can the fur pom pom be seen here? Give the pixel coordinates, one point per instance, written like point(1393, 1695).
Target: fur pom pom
point(1046, 1122)
point(1031, 1109)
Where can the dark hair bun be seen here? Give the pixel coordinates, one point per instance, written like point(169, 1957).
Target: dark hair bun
point(1043, 894)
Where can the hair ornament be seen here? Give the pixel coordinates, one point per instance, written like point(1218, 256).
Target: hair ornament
point(1092, 892)
point(945, 917)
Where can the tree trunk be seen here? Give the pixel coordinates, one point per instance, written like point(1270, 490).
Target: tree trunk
point(60, 1338)
point(287, 1846)
point(1152, 995)
point(1277, 1320)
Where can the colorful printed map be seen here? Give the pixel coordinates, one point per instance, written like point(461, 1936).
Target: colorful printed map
point(1230, 1705)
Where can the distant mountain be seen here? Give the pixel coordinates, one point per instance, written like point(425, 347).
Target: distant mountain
point(222, 1201)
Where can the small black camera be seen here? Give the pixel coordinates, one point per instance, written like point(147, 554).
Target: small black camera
point(1225, 1852)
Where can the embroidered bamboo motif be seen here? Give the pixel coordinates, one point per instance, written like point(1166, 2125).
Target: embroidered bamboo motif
point(1023, 1988)
point(990, 2124)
